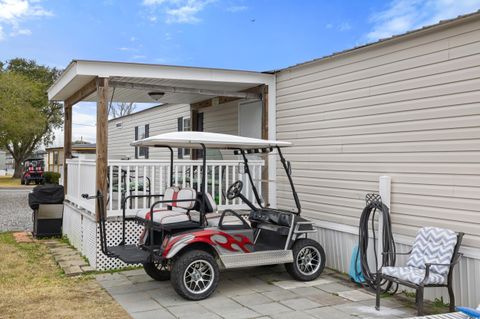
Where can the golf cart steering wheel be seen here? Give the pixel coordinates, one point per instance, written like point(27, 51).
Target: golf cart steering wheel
point(235, 190)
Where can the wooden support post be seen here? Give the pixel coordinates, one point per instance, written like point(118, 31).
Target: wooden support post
point(67, 142)
point(265, 176)
point(102, 140)
point(193, 124)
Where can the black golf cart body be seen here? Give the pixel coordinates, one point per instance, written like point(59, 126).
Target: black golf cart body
point(189, 240)
point(32, 171)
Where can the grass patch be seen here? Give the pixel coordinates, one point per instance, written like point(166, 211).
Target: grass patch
point(8, 181)
point(32, 285)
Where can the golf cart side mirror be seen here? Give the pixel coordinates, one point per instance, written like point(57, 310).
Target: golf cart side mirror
point(289, 168)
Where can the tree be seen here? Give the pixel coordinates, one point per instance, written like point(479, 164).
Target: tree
point(27, 118)
point(121, 109)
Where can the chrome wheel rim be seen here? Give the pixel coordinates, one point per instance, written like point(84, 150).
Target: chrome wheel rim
point(308, 260)
point(198, 276)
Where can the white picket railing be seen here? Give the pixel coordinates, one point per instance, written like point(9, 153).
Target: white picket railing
point(142, 177)
point(81, 180)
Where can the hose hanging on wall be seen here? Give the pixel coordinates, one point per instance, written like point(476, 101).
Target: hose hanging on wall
point(374, 204)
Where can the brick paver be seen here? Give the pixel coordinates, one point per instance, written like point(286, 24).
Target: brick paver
point(254, 293)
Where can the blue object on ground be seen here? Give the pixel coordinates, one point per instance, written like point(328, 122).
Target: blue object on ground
point(355, 268)
point(469, 312)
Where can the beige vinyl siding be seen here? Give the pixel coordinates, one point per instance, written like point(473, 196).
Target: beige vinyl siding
point(161, 119)
point(408, 108)
point(222, 118)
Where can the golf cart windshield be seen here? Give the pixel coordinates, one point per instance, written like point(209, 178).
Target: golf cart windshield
point(239, 144)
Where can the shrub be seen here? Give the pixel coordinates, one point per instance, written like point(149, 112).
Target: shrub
point(51, 177)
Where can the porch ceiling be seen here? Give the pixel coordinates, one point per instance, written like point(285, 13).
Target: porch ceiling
point(141, 95)
point(190, 81)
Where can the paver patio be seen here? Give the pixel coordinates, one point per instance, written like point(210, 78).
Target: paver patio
point(264, 292)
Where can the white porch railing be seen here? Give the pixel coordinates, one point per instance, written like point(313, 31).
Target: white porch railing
point(142, 177)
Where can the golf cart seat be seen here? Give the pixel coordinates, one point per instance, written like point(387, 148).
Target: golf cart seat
point(175, 212)
point(212, 215)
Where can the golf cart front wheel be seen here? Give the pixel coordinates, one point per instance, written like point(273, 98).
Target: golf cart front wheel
point(308, 260)
point(195, 275)
point(157, 271)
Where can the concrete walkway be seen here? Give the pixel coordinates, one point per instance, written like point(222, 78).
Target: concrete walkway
point(264, 292)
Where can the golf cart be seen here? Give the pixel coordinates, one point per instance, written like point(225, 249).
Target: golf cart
point(32, 171)
point(189, 240)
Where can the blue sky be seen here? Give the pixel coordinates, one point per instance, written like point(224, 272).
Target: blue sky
point(238, 34)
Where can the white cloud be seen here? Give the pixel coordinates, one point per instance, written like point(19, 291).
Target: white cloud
point(177, 11)
point(20, 32)
point(404, 15)
point(237, 8)
point(127, 49)
point(14, 12)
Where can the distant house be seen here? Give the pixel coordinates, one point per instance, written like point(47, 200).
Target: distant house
point(55, 155)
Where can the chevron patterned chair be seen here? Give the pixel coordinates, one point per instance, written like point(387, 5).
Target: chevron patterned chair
point(430, 263)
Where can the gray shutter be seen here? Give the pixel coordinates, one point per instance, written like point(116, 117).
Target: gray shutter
point(147, 134)
point(136, 138)
point(180, 129)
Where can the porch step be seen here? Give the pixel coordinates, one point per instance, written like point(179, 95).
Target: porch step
point(130, 254)
point(260, 258)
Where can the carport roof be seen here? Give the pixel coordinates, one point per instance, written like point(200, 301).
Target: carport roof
point(187, 84)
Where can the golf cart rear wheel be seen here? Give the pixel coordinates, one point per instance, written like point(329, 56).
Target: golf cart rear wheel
point(195, 275)
point(308, 260)
point(157, 271)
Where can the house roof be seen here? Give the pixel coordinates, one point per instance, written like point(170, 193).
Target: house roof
point(398, 37)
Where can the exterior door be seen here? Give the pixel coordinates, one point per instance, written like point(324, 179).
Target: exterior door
point(250, 119)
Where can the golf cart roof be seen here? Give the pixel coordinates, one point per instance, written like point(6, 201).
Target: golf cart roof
point(191, 139)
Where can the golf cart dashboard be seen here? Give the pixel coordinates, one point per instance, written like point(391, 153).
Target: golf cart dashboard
point(275, 217)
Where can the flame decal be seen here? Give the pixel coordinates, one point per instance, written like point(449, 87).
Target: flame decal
point(208, 237)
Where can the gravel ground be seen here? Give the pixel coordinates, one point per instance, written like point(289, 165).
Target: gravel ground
point(15, 214)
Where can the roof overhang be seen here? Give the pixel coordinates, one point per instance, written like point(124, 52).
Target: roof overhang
point(131, 82)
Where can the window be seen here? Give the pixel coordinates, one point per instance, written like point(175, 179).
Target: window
point(141, 132)
point(55, 157)
point(184, 124)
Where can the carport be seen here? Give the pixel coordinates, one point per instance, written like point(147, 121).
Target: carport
point(107, 82)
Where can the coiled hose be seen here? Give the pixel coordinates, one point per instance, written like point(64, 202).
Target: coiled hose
point(368, 215)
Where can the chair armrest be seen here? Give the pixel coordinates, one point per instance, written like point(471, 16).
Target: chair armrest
point(428, 265)
point(455, 261)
